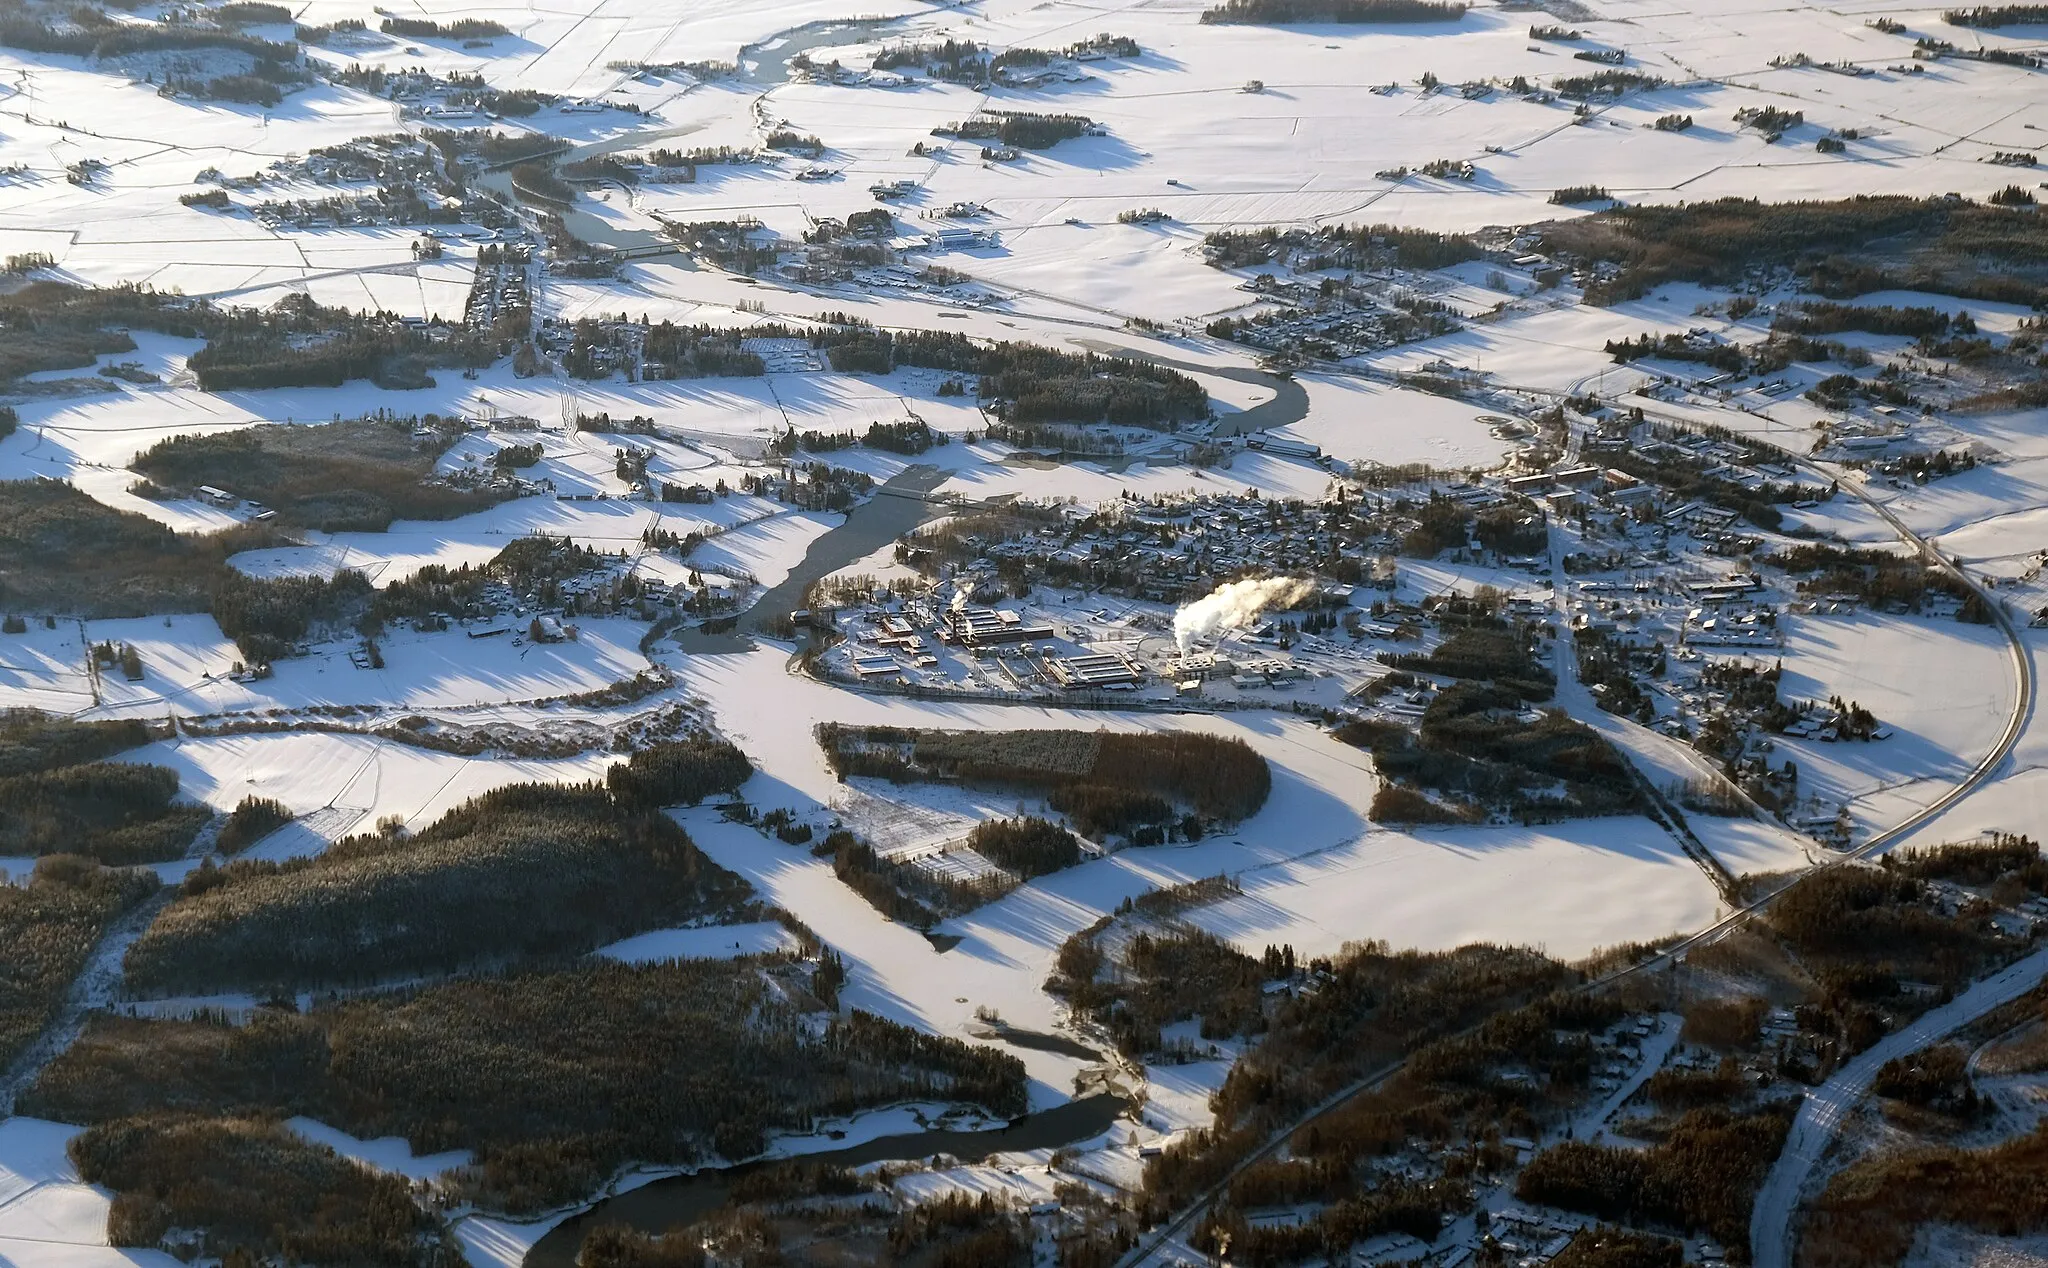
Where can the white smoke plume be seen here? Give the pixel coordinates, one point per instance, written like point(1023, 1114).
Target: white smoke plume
point(1234, 606)
point(959, 600)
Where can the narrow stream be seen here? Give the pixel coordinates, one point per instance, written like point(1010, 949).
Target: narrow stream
point(896, 509)
point(677, 1200)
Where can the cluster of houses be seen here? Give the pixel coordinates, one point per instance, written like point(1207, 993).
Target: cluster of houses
point(1173, 549)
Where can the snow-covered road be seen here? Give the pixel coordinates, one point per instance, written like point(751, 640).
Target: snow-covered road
point(1820, 1116)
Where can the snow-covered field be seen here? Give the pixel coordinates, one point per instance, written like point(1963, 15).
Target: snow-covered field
point(1942, 687)
point(1182, 132)
point(47, 1216)
point(338, 784)
point(186, 664)
point(1314, 871)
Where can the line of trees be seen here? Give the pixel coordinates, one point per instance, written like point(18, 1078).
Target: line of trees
point(252, 819)
point(522, 871)
point(555, 1079)
point(1702, 1177)
point(1278, 12)
point(1026, 383)
point(50, 925)
point(116, 812)
point(92, 33)
point(1998, 15)
point(1098, 778)
point(251, 1190)
point(351, 475)
point(459, 29)
point(1027, 846)
point(1826, 242)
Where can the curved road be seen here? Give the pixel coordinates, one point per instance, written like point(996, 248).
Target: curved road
point(1821, 1115)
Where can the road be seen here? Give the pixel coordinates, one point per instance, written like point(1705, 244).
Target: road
point(94, 988)
point(1822, 1112)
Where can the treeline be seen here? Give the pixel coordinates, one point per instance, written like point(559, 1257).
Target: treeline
point(351, 475)
point(32, 742)
point(729, 244)
point(1993, 16)
point(1726, 357)
point(92, 33)
point(63, 551)
point(1374, 1007)
point(1702, 1177)
point(688, 352)
point(667, 351)
point(955, 61)
point(1952, 248)
point(1027, 846)
point(1024, 382)
point(1867, 935)
point(266, 88)
point(294, 343)
point(1104, 781)
point(1280, 12)
point(1503, 656)
point(56, 326)
point(50, 925)
point(536, 565)
point(57, 795)
point(52, 325)
point(1872, 1211)
point(1603, 82)
point(967, 62)
point(1978, 863)
point(460, 29)
point(1473, 749)
point(521, 871)
point(554, 1079)
point(254, 1191)
point(678, 773)
point(538, 180)
point(376, 346)
point(251, 820)
point(1162, 979)
point(1024, 129)
point(267, 617)
point(241, 13)
point(1342, 246)
point(1819, 317)
point(118, 813)
point(911, 436)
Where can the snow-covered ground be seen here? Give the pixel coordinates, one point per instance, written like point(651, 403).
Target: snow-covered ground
point(1181, 134)
point(1942, 687)
point(1315, 872)
point(338, 784)
point(47, 1215)
point(713, 942)
point(186, 664)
